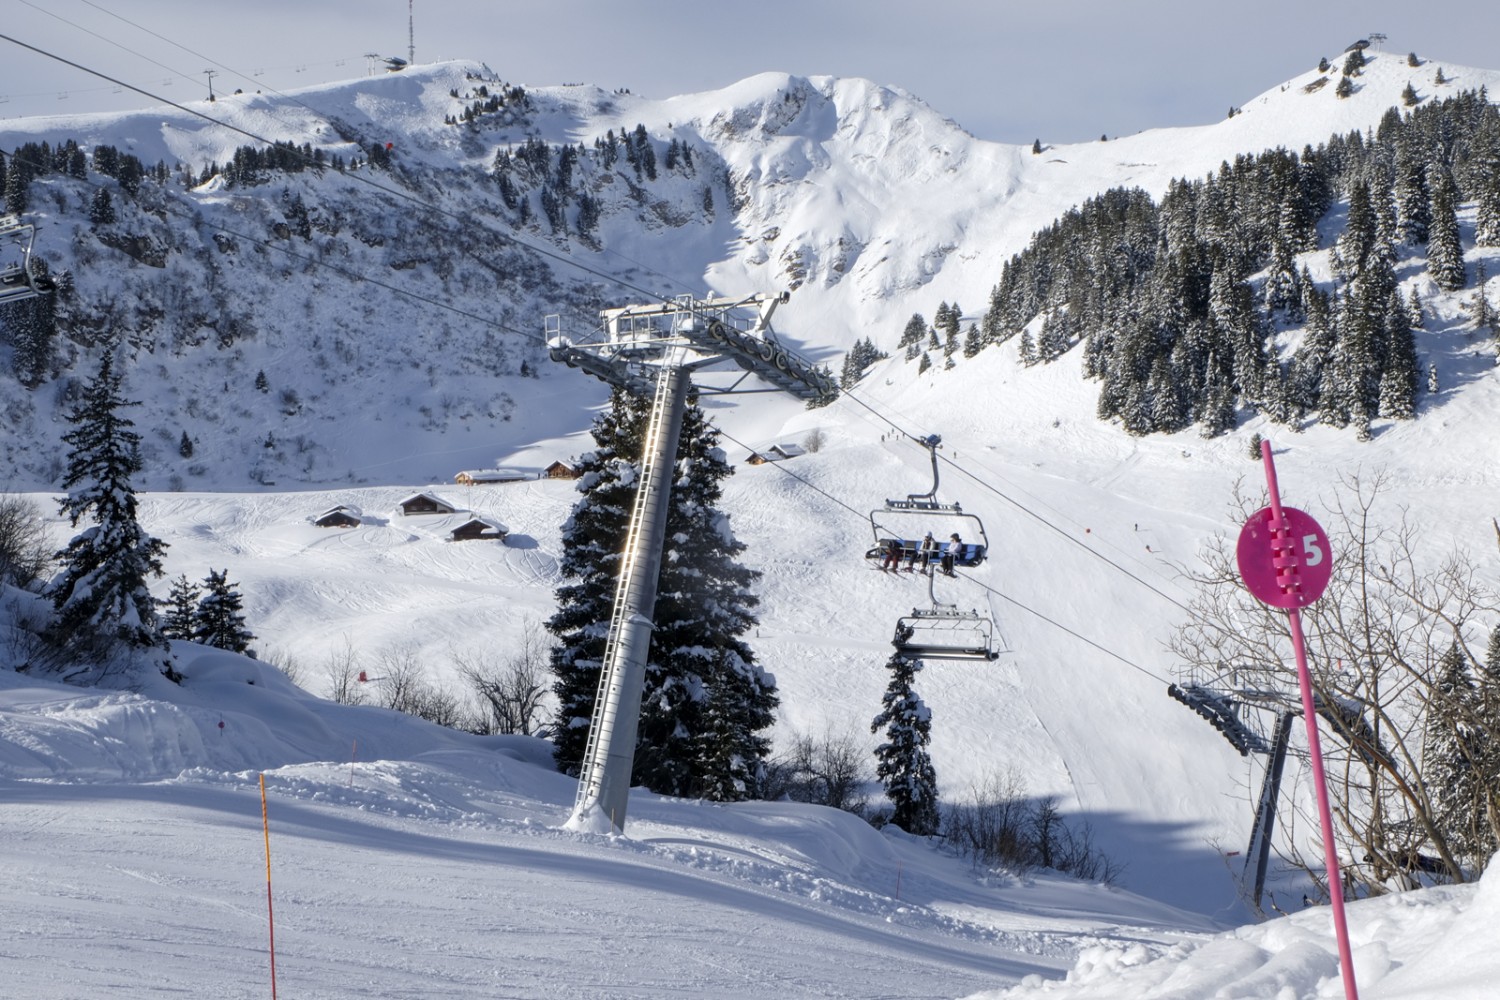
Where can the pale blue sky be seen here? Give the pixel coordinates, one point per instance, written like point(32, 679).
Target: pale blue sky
point(1061, 71)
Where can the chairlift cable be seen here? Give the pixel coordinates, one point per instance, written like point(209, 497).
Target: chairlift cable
point(103, 38)
point(781, 467)
point(343, 272)
point(355, 175)
point(604, 276)
point(1059, 625)
point(468, 220)
point(847, 394)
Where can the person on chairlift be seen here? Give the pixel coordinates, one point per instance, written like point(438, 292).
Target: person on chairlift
point(892, 561)
point(951, 552)
point(926, 552)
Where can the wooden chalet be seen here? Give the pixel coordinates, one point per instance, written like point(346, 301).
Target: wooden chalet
point(337, 517)
point(560, 470)
point(479, 529)
point(426, 503)
point(490, 477)
point(776, 453)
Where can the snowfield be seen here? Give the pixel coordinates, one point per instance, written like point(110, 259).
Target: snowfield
point(408, 860)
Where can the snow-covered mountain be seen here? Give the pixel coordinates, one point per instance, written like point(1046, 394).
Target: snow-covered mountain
point(868, 203)
point(392, 311)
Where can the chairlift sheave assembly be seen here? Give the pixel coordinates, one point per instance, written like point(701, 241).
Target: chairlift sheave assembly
point(20, 279)
point(907, 521)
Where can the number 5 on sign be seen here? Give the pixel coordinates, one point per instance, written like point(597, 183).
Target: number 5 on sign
point(1287, 565)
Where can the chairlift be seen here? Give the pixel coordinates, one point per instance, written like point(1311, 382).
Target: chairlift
point(908, 521)
point(943, 632)
point(20, 279)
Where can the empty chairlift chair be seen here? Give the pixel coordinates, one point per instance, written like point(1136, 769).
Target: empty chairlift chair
point(21, 277)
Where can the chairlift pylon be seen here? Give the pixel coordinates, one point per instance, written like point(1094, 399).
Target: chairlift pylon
point(908, 521)
point(20, 279)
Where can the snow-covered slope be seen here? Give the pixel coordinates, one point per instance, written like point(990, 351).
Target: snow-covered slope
point(393, 321)
point(920, 212)
point(393, 858)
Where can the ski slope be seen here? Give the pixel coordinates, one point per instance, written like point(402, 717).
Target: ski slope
point(412, 861)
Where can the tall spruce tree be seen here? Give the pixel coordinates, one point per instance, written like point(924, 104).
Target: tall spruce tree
point(903, 764)
point(1359, 234)
point(1445, 254)
point(218, 621)
point(706, 703)
point(1452, 754)
point(1398, 383)
point(101, 596)
point(180, 608)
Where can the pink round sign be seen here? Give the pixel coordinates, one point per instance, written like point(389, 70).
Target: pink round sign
point(1287, 568)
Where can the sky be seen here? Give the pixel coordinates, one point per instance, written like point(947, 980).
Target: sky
point(1166, 63)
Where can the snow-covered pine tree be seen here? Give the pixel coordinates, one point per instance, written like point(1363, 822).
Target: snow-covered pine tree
point(1056, 336)
point(218, 620)
point(1487, 197)
point(903, 764)
point(1358, 237)
point(102, 208)
point(914, 332)
point(1398, 383)
point(180, 608)
point(706, 703)
point(1451, 749)
point(101, 597)
point(1445, 253)
point(1413, 201)
point(32, 327)
point(973, 342)
point(699, 660)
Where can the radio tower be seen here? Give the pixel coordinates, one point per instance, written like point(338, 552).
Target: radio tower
point(411, 37)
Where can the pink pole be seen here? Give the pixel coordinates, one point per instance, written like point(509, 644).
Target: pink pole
point(1314, 746)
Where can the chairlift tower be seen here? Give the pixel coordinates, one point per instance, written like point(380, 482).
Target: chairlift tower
point(1221, 707)
point(653, 350)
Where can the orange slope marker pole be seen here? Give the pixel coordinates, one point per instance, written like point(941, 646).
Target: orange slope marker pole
point(265, 819)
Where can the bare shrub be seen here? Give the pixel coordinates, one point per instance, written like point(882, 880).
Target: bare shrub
point(342, 670)
point(512, 690)
point(401, 684)
point(829, 770)
point(1004, 826)
point(23, 623)
point(1399, 666)
point(25, 552)
point(282, 660)
point(993, 828)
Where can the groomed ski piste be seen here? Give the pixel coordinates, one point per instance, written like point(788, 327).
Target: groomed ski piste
point(409, 860)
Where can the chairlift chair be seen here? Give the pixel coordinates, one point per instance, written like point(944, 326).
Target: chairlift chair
point(19, 279)
point(907, 521)
point(943, 632)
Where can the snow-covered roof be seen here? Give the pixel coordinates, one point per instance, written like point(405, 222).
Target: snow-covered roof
point(428, 496)
point(493, 475)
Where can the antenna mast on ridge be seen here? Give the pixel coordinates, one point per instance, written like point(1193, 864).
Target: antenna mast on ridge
point(411, 36)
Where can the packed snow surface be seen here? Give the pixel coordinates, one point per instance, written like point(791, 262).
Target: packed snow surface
point(411, 861)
